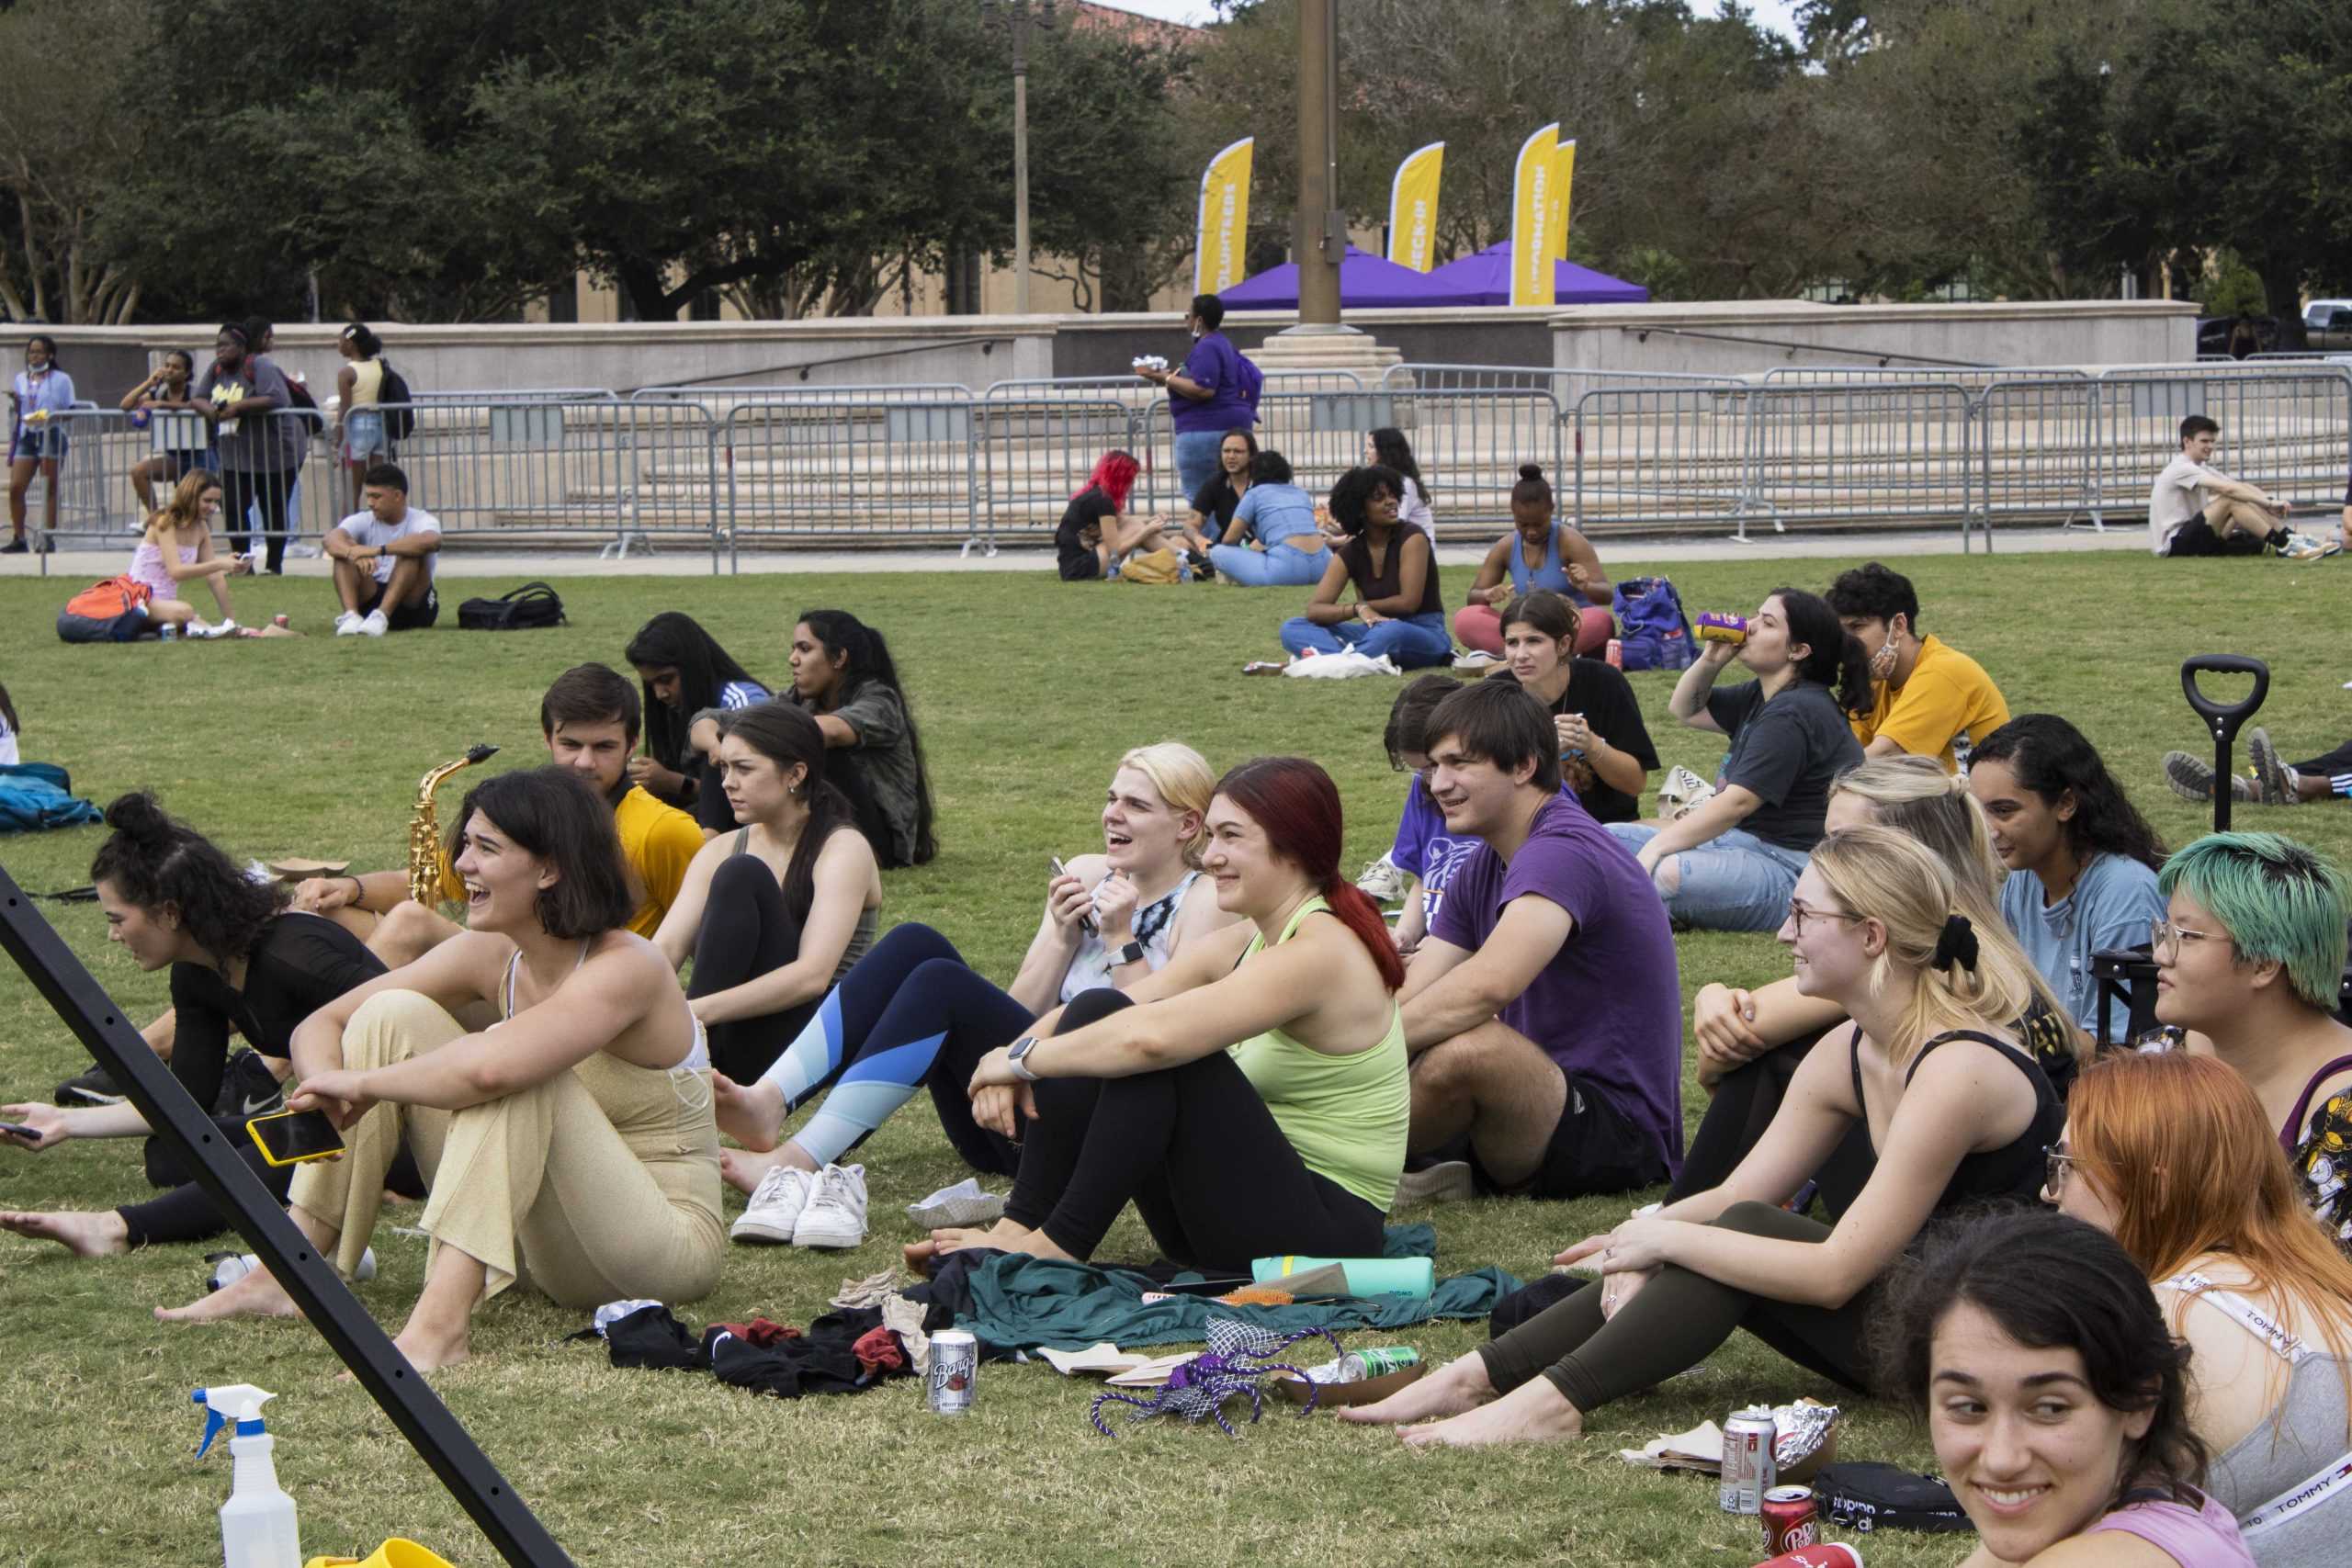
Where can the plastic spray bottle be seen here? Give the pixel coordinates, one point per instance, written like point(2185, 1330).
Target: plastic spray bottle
point(257, 1527)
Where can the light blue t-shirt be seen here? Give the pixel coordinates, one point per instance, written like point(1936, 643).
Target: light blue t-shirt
point(2113, 904)
point(1275, 512)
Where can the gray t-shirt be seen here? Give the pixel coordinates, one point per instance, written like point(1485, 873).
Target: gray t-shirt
point(879, 773)
point(2113, 904)
point(261, 442)
point(1788, 751)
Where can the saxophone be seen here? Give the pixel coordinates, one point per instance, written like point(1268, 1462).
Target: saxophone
point(425, 830)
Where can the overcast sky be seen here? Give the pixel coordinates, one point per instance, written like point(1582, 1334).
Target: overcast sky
point(1771, 13)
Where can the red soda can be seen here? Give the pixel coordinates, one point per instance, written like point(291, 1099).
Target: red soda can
point(1791, 1519)
point(1821, 1554)
point(1614, 653)
point(278, 620)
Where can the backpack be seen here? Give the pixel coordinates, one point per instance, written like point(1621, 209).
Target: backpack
point(1862, 1497)
point(1251, 381)
point(1652, 626)
point(400, 420)
point(35, 797)
point(517, 609)
point(105, 601)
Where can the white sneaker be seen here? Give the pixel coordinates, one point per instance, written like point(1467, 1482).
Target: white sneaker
point(835, 1215)
point(775, 1206)
point(347, 624)
point(1382, 882)
point(375, 625)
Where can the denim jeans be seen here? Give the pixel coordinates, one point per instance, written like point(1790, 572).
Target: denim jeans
point(1734, 882)
point(1277, 566)
point(1411, 642)
point(1197, 460)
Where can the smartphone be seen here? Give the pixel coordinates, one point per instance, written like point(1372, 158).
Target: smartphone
point(29, 1135)
point(1085, 922)
point(289, 1137)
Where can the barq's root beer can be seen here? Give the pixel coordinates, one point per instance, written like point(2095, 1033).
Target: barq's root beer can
point(955, 1369)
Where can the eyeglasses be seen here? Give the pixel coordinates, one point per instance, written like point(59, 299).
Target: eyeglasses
point(2054, 1164)
point(2165, 940)
point(1799, 914)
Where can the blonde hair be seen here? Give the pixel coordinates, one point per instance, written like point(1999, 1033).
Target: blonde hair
point(1914, 797)
point(1882, 875)
point(182, 513)
point(1182, 776)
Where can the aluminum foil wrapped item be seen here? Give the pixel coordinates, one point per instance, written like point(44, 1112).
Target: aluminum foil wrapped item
point(1800, 1431)
point(1150, 362)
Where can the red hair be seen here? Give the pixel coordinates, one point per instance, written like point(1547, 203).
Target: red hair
point(1298, 806)
point(1115, 476)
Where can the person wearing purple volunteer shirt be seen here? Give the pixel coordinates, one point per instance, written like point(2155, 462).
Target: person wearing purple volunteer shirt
point(1542, 1011)
point(1214, 391)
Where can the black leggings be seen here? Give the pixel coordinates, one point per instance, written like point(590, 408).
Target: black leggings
point(1745, 1102)
point(2327, 766)
point(185, 1212)
point(1676, 1320)
point(268, 492)
point(1214, 1178)
point(747, 932)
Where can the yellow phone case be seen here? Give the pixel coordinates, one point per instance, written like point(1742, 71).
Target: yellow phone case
point(269, 1157)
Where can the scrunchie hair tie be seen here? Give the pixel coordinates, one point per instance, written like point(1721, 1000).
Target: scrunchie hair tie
point(1957, 943)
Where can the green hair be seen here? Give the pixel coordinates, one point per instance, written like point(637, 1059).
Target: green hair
point(2283, 903)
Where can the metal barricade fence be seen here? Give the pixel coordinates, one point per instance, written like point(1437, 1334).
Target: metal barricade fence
point(2288, 431)
point(1675, 455)
point(1039, 440)
point(842, 462)
point(2033, 445)
point(1859, 452)
point(1469, 442)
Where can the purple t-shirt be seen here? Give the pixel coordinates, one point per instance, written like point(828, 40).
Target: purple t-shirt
point(1214, 364)
point(2207, 1538)
point(1609, 1006)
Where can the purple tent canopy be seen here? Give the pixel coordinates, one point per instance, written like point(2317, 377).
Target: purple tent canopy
point(1485, 279)
point(1367, 282)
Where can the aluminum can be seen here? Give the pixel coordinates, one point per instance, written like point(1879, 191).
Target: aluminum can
point(1357, 1366)
point(1791, 1519)
point(954, 1368)
point(1748, 1461)
point(1715, 625)
point(1821, 1554)
point(1614, 653)
point(277, 621)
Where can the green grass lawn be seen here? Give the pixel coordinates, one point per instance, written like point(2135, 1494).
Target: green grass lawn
point(1026, 690)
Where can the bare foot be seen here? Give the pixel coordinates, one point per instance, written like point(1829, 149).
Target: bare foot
point(1002, 1236)
point(751, 1115)
point(1461, 1384)
point(85, 1234)
point(1534, 1412)
point(258, 1295)
point(743, 1171)
point(428, 1350)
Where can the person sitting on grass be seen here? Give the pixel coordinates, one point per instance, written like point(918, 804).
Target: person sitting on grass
point(589, 719)
point(1542, 1012)
point(2245, 1277)
point(1251, 1096)
point(1606, 758)
point(775, 912)
point(2082, 861)
point(1397, 610)
point(1538, 553)
point(167, 390)
point(2057, 1397)
point(386, 557)
point(2194, 509)
point(841, 671)
point(1273, 540)
point(913, 1012)
point(1424, 852)
point(177, 548)
point(1958, 1116)
point(572, 1144)
point(1213, 503)
point(1730, 863)
point(1924, 693)
point(1094, 537)
point(1749, 1043)
point(238, 960)
point(2250, 962)
point(1388, 447)
point(685, 675)
point(2274, 782)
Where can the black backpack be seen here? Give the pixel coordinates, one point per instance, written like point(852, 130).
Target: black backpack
point(399, 419)
point(517, 609)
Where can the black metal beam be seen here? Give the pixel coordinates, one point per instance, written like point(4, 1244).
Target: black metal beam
point(437, 1437)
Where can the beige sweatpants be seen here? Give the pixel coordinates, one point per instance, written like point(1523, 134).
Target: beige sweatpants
point(537, 1186)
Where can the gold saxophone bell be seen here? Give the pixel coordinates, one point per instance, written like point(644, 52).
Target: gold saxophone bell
point(425, 830)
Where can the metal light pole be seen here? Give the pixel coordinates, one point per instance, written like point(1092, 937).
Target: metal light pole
point(1019, 16)
point(1321, 231)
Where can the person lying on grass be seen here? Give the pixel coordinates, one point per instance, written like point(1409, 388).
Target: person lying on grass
point(571, 1144)
point(1958, 1115)
point(1251, 1096)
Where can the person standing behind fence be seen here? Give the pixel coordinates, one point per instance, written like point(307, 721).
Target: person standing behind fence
point(1397, 610)
point(1273, 541)
point(1537, 553)
point(246, 397)
point(360, 437)
point(687, 679)
point(36, 440)
point(1213, 391)
point(386, 557)
point(167, 390)
point(841, 671)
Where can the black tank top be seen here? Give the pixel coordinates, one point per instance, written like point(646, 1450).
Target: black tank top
point(2010, 1174)
point(1357, 553)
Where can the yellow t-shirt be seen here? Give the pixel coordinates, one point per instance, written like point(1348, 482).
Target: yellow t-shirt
point(657, 842)
point(1948, 695)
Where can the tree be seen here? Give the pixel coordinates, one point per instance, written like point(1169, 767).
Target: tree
point(67, 134)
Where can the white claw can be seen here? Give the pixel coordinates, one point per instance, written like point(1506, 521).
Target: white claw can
point(955, 1369)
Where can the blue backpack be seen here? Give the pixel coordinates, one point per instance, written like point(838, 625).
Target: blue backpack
point(37, 796)
point(1651, 626)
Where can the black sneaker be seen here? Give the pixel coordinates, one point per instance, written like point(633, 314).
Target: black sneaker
point(92, 1088)
point(248, 1088)
point(16, 546)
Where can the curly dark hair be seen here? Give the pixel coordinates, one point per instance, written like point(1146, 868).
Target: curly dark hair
point(153, 861)
point(1354, 491)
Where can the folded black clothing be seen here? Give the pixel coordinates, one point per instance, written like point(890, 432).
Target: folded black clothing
point(822, 1361)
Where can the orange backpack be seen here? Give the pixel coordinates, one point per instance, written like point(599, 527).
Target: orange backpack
point(105, 601)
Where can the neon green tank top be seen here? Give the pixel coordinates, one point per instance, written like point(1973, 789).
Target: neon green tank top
point(1347, 1116)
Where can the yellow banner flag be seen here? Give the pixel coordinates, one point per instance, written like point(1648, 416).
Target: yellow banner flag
point(1564, 179)
point(1224, 238)
point(1531, 217)
point(1412, 209)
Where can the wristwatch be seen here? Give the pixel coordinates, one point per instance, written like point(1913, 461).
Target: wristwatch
point(1131, 954)
point(1017, 1059)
